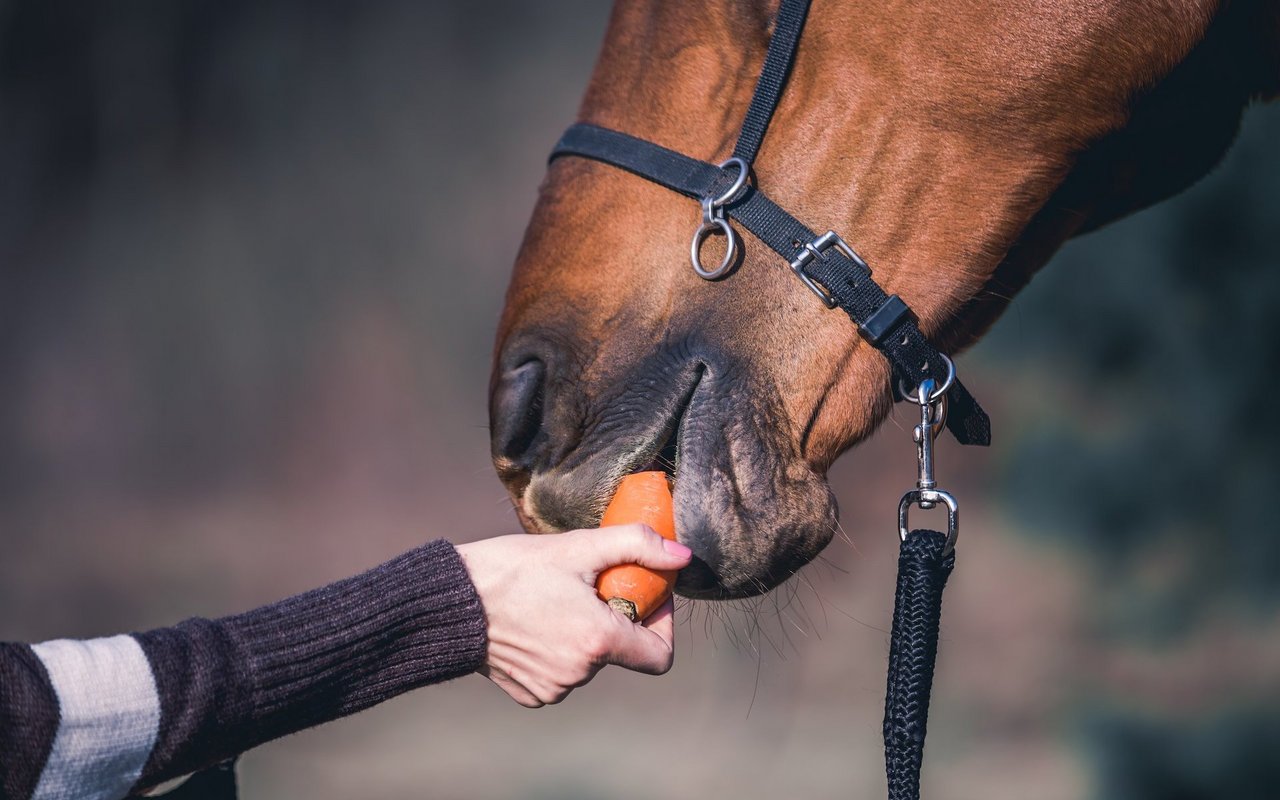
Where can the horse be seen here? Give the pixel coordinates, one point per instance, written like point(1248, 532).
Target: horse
point(956, 145)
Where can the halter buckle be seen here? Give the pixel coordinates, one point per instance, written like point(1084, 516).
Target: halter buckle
point(815, 250)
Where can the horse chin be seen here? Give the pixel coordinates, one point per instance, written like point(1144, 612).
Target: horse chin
point(719, 570)
point(752, 514)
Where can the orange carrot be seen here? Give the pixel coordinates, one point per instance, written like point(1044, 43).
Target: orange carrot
point(631, 589)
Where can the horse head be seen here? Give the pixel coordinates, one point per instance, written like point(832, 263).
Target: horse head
point(956, 145)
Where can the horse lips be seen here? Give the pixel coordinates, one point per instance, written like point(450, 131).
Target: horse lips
point(630, 589)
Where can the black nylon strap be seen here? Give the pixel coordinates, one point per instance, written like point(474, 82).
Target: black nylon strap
point(773, 76)
point(913, 649)
point(848, 281)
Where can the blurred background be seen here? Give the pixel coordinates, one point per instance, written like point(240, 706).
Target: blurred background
point(251, 259)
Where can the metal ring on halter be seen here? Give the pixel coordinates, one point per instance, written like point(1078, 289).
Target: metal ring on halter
point(713, 218)
point(709, 224)
point(936, 393)
point(744, 172)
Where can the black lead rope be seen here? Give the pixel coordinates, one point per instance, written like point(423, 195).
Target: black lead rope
point(913, 648)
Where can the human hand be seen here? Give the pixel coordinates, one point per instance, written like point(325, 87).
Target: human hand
point(548, 630)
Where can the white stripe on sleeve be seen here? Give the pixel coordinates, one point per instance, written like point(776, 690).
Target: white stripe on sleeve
point(110, 714)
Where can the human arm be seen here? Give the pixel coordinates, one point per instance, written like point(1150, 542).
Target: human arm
point(128, 712)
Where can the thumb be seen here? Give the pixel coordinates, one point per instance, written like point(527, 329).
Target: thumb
point(631, 544)
point(644, 648)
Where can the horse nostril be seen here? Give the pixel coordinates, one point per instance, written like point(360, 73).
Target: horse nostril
point(515, 411)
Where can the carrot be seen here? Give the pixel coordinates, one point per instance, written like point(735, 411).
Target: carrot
point(631, 589)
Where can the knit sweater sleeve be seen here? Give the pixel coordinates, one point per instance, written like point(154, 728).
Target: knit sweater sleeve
point(118, 715)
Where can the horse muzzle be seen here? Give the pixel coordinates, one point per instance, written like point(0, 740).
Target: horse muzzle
point(564, 433)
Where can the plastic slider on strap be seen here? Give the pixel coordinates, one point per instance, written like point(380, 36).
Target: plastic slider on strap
point(816, 250)
point(884, 319)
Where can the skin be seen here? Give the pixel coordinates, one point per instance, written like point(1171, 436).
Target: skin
point(548, 631)
point(956, 145)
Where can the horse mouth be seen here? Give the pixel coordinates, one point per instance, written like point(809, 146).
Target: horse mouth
point(665, 457)
point(638, 431)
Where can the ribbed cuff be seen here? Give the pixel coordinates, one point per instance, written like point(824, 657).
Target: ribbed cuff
point(342, 648)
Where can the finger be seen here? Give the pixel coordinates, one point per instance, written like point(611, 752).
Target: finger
point(512, 687)
point(640, 648)
point(631, 544)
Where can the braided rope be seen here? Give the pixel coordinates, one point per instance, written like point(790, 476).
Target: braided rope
point(913, 648)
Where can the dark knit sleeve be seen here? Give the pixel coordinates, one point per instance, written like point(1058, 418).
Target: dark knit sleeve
point(227, 685)
point(28, 720)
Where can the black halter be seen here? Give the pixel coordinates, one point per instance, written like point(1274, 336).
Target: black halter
point(835, 272)
point(828, 266)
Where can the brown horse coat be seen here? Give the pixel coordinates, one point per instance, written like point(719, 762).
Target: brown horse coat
point(956, 144)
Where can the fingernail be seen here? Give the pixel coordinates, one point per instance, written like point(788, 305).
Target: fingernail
point(676, 549)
